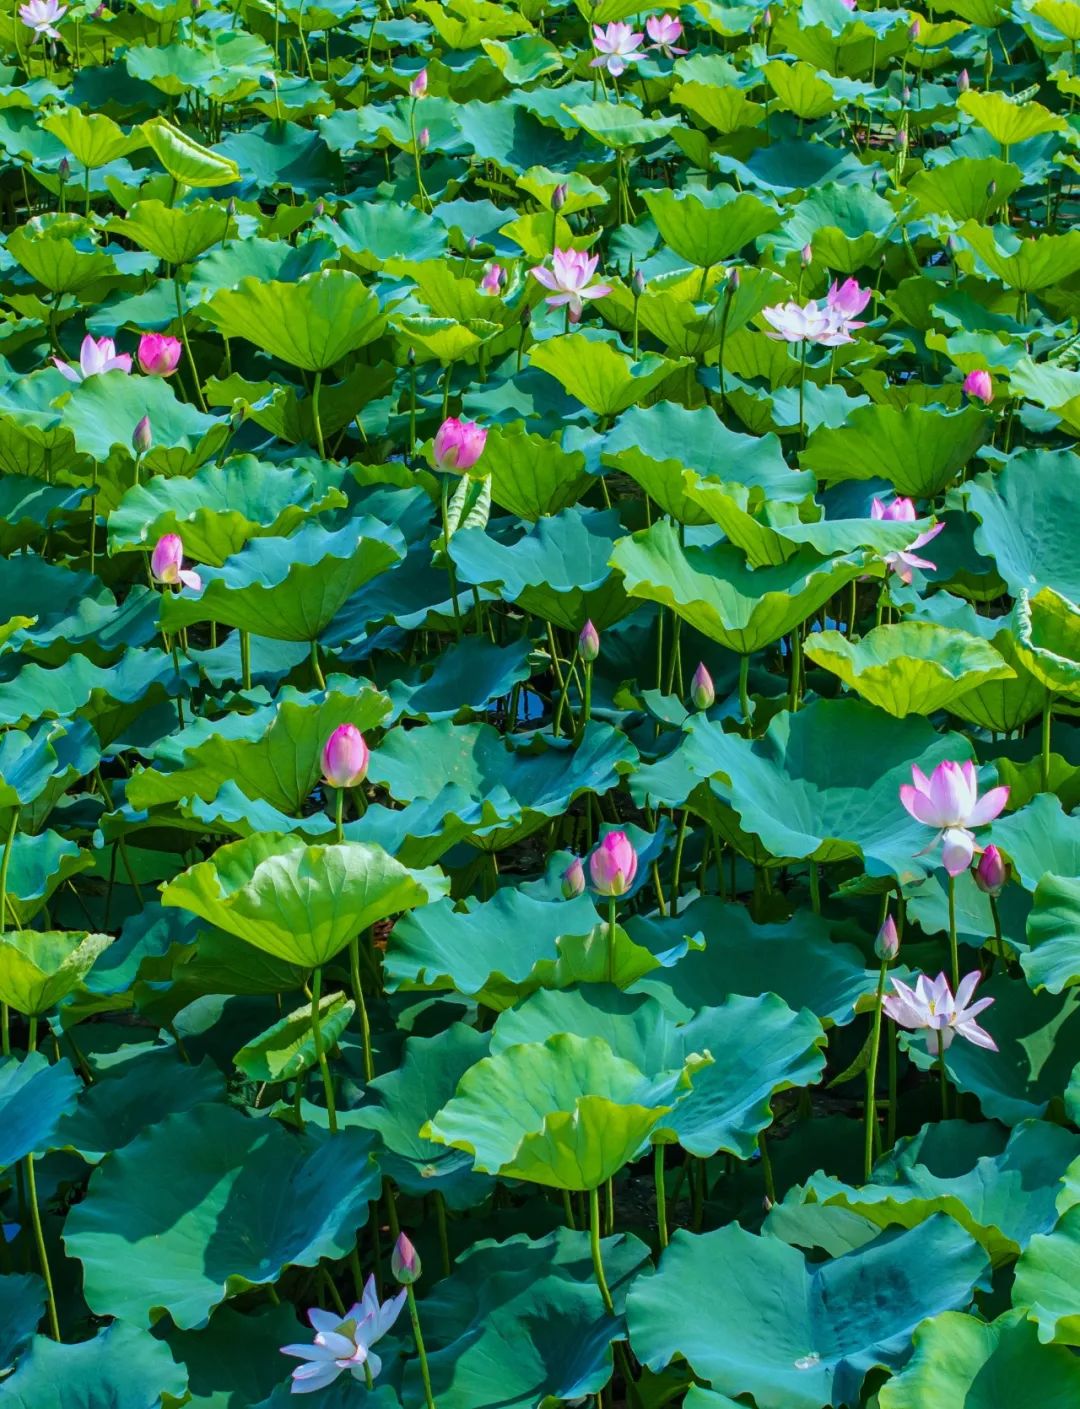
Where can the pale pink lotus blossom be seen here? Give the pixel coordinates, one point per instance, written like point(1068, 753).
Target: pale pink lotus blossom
point(458, 445)
point(848, 299)
point(904, 561)
point(159, 354)
point(491, 283)
point(849, 4)
point(167, 563)
point(418, 87)
point(345, 757)
point(569, 279)
point(573, 879)
point(42, 16)
point(949, 802)
point(613, 865)
point(979, 385)
point(95, 355)
point(797, 322)
point(664, 30)
point(344, 1342)
point(931, 1008)
point(615, 46)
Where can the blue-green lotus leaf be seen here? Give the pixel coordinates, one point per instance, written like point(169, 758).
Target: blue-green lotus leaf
point(1045, 1278)
point(40, 862)
point(532, 476)
point(22, 1305)
point(34, 1098)
point(122, 1367)
point(1053, 932)
point(110, 697)
point(234, 1361)
point(1039, 839)
point(1024, 511)
point(103, 411)
point(708, 226)
point(468, 676)
point(28, 506)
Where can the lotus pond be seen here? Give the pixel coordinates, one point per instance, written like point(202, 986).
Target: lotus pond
point(539, 666)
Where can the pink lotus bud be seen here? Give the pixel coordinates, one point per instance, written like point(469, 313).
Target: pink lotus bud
point(167, 563)
point(766, 19)
point(472, 244)
point(558, 196)
point(992, 872)
point(458, 445)
point(637, 283)
point(914, 29)
point(900, 140)
point(64, 169)
point(573, 879)
point(702, 689)
point(963, 81)
point(613, 865)
point(423, 140)
point(905, 94)
point(418, 87)
point(979, 386)
point(320, 209)
point(589, 643)
point(807, 255)
point(491, 283)
point(887, 943)
point(230, 207)
point(345, 757)
point(405, 1262)
point(142, 437)
point(159, 355)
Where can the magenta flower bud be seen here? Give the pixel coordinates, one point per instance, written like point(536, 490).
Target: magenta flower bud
point(458, 445)
point(637, 283)
point(914, 30)
point(963, 81)
point(320, 209)
point(405, 1262)
point(558, 196)
point(64, 169)
point(979, 386)
point(167, 564)
point(142, 437)
point(992, 872)
point(589, 643)
point(423, 140)
point(900, 141)
point(702, 689)
point(807, 254)
point(887, 943)
point(345, 757)
point(418, 87)
point(613, 865)
point(573, 879)
point(159, 355)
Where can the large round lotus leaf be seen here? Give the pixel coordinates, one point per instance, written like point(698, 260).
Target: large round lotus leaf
point(27, 763)
point(825, 782)
point(300, 903)
point(22, 1305)
point(1002, 1197)
point(567, 1112)
point(50, 255)
point(918, 449)
point(110, 697)
point(963, 1363)
point(715, 590)
point(1024, 264)
point(103, 411)
point(846, 224)
point(219, 509)
point(797, 1334)
point(186, 160)
point(598, 374)
point(289, 588)
point(372, 233)
point(234, 1363)
point(311, 323)
point(243, 1200)
point(799, 960)
point(1025, 512)
point(401, 1101)
point(39, 968)
point(467, 677)
point(1046, 1279)
point(1048, 640)
point(27, 505)
point(912, 667)
point(708, 226)
point(619, 125)
point(93, 140)
point(175, 235)
point(958, 187)
point(1053, 932)
point(1038, 838)
point(758, 1048)
point(122, 1367)
point(34, 1097)
point(532, 476)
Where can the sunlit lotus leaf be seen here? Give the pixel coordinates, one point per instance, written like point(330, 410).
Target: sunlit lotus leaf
point(919, 449)
point(40, 968)
point(185, 159)
point(103, 411)
point(1006, 121)
point(174, 235)
point(1023, 510)
point(1027, 265)
point(94, 139)
point(39, 864)
point(598, 374)
point(287, 1048)
point(619, 125)
point(532, 476)
point(57, 255)
point(708, 226)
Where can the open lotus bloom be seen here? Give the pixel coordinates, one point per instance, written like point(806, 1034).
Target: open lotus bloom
point(904, 561)
point(664, 30)
point(615, 45)
point(458, 445)
point(167, 564)
point(569, 277)
point(830, 323)
point(95, 355)
point(42, 16)
point(948, 801)
point(343, 1343)
point(930, 1007)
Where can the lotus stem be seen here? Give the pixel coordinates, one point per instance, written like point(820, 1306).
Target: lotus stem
point(450, 570)
point(802, 392)
point(661, 1194)
point(39, 1239)
point(594, 1243)
point(316, 668)
point(361, 1007)
point(316, 386)
point(611, 940)
point(1046, 719)
point(766, 1166)
point(245, 659)
point(680, 842)
point(320, 1051)
point(568, 1211)
point(414, 1317)
point(5, 1016)
point(187, 347)
point(444, 1241)
point(944, 1080)
point(954, 949)
point(871, 1076)
point(556, 723)
point(796, 669)
point(744, 697)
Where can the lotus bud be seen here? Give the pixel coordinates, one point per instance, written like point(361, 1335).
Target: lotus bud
point(320, 209)
point(345, 757)
point(613, 865)
point(992, 872)
point(807, 255)
point(637, 283)
point(905, 94)
point(979, 385)
point(766, 19)
point(159, 355)
point(230, 207)
point(914, 30)
point(167, 564)
point(418, 87)
point(492, 281)
point(423, 140)
point(900, 141)
point(236, 420)
point(573, 879)
point(734, 279)
point(64, 169)
point(558, 196)
point(702, 689)
point(410, 357)
point(472, 244)
point(963, 81)
point(142, 437)
point(589, 643)
point(887, 943)
point(405, 1262)
point(458, 445)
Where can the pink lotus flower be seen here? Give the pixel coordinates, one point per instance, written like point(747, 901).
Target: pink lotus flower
point(573, 879)
point(491, 283)
point(418, 87)
point(458, 445)
point(848, 299)
point(345, 757)
point(992, 871)
point(42, 16)
point(569, 278)
point(796, 322)
point(615, 46)
point(702, 689)
point(613, 865)
point(949, 801)
point(344, 1342)
point(931, 1008)
point(95, 355)
point(664, 30)
point(979, 385)
point(159, 355)
point(167, 563)
point(849, 4)
point(405, 1261)
point(904, 561)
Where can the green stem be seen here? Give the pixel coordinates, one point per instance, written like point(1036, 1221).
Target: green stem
point(450, 570)
point(871, 1078)
point(361, 1007)
point(890, 1135)
point(611, 940)
point(315, 388)
point(568, 1210)
point(187, 345)
point(943, 1078)
point(245, 659)
point(796, 669)
point(680, 842)
point(316, 668)
point(802, 392)
point(661, 1194)
point(744, 696)
point(320, 1051)
point(5, 1017)
point(594, 1243)
point(556, 723)
point(414, 1317)
point(39, 1239)
point(339, 814)
point(954, 951)
point(1046, 718)
point(444, 1241)
point(766, 1167)
point(815, 888)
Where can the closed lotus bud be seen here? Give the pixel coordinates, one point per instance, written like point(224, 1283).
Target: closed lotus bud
point(410, 357)
point(423, 141)
point(345, 757)
point(64, 169)
point(405, 1262)
point(905, 94)
point(458, 445)
point(637, 283)
point(702, 689)
point(914, 30)
point(992, 872)
point(980, 386)
point(991, 190)
point(142, 437)
point(472, 244)
point(418, 87)
point(613, 865)
point(167, 564)
point(887, 943)
point(734, 279)
point(589, 643)
point(320, 209)
point(807, 254)
point(159, 354)
point(963, 81)
point(573, 879)
point(766, 19)
point(230, 207)
point(558, 196)
point(900, 141)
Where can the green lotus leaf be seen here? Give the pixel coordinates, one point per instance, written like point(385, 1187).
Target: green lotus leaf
point(287, 1049)
point(1039, 838)
point(598, 374)
point(1053, 932)
point(40, 968)
point(708, 226)
point(254, 258)
point(122, 1367)
point(1009, 122)
point(110, 697)
point(234, 1360)
point(371, 234)
point(175, 235)
point(1048, 640)
point(719, 595)
point(311, 323)
point(961, 1361)
point(34, 1098)
point(55, 256)
point(619, 125)
point(469, 676)
point(530, 475)
point(1024, 510)
point(289, 588)
point(185, 159)
point(1046, 1280)
point(912, 667)
point(22, 1305)
point(93, 140)
point(1027, 265)
point(918, 449)
point(801, 89)
point(28, 506)
point(846, 224)
point(39, 864)
point(103, 411)
point(959, 188)
point(797, 1334)
point(286, 155)
point(567, 1113)
point(28, 762)
point(243, 1201)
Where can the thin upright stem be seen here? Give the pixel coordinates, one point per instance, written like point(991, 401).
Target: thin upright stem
point(744, 696)
point(954, 950)
point(871, 1077)
point(320, 1051)
point(414, 1317)
point(661, 1194)
point(1046, 720)
point(316, 668)
point(611, 940)
point(5, 1018)
point(450, 571)
point(594, 1243)
point(315, 388)
point(766, 1167)
point(39, 1239)
point(187, 345)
